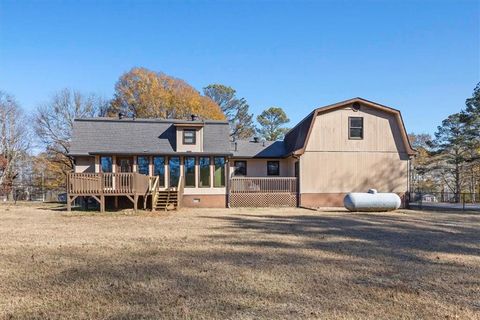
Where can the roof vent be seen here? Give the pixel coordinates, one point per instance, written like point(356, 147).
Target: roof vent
point(194, 117)
point(120, 115)
point(236, 146)
point(356, 106)
point(256, 139)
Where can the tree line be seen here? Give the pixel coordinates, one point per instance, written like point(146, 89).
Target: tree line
point(449, 161)
point(140, 93)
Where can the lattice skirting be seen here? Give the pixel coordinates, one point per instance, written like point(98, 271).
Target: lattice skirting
point(278, 199)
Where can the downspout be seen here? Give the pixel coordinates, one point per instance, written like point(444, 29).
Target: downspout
point(297, 157)
point(227, 189)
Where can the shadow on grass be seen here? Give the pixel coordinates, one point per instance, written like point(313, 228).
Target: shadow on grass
point(375, 236)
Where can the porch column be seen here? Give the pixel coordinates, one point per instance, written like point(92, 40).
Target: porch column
point(97, 164)
point(167, 172)
point(212, 171)
point(134, 167)
point(197, 172)
point(181, 166)
point(150, 166)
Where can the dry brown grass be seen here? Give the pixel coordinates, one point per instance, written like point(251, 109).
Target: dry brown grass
point(242, 264)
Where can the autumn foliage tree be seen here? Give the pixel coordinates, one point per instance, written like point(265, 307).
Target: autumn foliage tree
point(149, 94)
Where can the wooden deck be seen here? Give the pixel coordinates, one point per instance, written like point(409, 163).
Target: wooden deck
point(99, 185)
point(243, 191)
point(263, 192)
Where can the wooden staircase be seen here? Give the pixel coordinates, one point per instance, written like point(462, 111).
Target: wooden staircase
point(166, 200)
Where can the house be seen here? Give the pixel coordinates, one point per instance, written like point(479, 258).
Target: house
point(348, 146)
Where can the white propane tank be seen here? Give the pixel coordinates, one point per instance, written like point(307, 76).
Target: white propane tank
point(372, 201)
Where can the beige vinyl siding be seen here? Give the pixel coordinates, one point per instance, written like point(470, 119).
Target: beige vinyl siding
point(332, 163)
point(338, 172)
point(380, 132)
point(258, 167)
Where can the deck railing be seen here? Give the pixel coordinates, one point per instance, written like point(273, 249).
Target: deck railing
point(107, 183)
point(263, 184)
point(263, 192)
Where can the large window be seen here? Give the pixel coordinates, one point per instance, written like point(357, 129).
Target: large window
point(143, 162)
point(273, 168)
point(159, 169)
point(219, 173)
point(204, 165)
point(189, 136)
point(106, 163)
point(240, 168)
point(174, 173)
point(189, 168)
point(355, 128)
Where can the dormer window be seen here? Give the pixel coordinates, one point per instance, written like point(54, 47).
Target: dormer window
point(189, 136)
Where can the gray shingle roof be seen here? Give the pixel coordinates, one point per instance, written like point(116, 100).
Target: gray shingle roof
point(295, 138)
point(141, 136)
point(252, 149)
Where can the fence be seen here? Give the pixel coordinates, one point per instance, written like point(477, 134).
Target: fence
point(263, 192)
point(444, 201)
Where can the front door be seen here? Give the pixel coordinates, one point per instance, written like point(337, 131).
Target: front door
point(125, 164)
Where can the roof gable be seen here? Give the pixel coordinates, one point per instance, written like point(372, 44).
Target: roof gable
point(297, 138)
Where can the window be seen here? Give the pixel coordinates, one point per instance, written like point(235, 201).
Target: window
point(174, 173)
point(355, 128)
point(143, 163)
point(189, 136)
point(189, 168)
point(106, 163)
point(204, 164)
point(124, 164)
point(273, 168)
point(159, 170)
point(219, 173)
point(240, 168)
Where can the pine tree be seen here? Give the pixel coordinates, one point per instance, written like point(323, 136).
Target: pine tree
point(236, 110)
point(272, 121)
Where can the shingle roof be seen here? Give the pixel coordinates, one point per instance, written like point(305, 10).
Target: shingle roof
point(141, 136)
point(252, 149)
point(296, 137)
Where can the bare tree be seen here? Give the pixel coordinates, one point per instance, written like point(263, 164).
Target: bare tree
point(53, 122)
point(15, 140)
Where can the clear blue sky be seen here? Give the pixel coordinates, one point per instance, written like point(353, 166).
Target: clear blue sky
point(422, 57)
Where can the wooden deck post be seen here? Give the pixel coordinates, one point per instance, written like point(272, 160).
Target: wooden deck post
point(102, 203)
point(135, 202)
point(116, 202)
point(69, 204)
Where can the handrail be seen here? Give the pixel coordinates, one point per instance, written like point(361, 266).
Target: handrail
point(154, 190)
point(107, 183)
